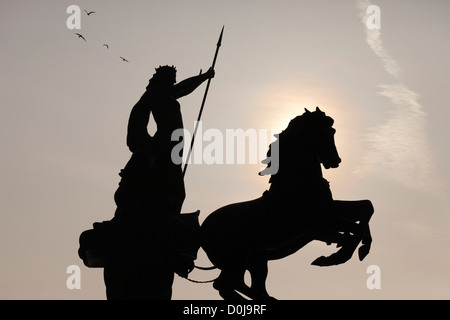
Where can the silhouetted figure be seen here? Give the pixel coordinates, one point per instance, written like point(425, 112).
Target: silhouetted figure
point(153, 242)
point(297, 208)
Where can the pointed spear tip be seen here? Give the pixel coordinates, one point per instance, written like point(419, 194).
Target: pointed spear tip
point(219, 43)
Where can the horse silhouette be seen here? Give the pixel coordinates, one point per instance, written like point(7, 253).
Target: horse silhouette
point(297, 209)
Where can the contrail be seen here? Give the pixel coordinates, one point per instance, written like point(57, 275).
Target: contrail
point(399, 147)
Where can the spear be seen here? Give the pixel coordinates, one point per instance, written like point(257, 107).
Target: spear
point(219, 43)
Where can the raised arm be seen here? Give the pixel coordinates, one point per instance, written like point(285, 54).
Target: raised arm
point(137, 134)
point(185, 87)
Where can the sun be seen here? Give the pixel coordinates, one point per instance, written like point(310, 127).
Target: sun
point(283, 101)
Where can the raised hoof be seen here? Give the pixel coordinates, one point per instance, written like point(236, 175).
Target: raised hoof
point(321, 262)
point(363, 251)
point(336, 258)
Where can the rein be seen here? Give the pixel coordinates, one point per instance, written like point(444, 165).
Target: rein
point(202, 268)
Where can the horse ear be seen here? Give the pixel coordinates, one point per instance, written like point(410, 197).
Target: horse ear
point(307, 111)
point(317, 109)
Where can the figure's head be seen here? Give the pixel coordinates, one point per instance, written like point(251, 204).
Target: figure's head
point(164, 76)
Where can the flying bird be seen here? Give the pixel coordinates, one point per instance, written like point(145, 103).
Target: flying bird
point(90, 12)
point(106, 45)
point(125, 60)
point(80, 36)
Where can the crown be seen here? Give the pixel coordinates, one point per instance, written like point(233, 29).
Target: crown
point(166, 69)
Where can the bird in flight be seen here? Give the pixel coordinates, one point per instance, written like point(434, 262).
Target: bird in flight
point(80, 36)
point(106, 45)
point(125, 60)
point(89, 13)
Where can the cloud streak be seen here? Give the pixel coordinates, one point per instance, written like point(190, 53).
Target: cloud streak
point(399, 147)
point(373, 39)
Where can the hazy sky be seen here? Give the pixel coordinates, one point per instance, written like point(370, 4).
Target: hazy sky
point(65, 105)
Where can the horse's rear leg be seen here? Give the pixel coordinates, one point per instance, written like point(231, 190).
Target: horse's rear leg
point(258, 269)
point(235, 281)
point(228, 281)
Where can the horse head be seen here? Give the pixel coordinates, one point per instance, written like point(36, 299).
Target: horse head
point(311, 133)
point(321, 137)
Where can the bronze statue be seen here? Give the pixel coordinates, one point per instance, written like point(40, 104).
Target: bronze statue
point(147, 235)
point(149, 240)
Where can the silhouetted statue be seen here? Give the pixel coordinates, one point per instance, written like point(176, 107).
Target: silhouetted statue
point(151, 169)
point(148, 239)
point(297, 208)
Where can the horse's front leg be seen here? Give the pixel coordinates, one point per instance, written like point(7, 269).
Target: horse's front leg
point(365, 212)
point(363, 251)
point(355, 211)
point(360, 211)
